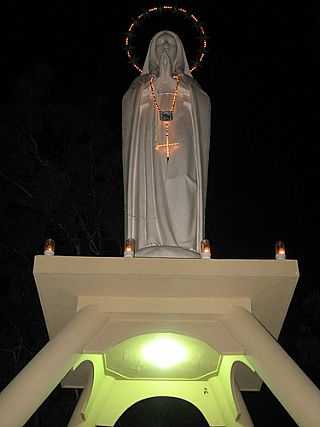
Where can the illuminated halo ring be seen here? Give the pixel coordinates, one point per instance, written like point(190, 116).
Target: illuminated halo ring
point(128, 46)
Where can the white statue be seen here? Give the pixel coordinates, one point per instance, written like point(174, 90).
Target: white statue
point(166, 136)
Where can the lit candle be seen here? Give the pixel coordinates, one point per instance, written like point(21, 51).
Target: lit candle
point(129, 248)
point(49, 247)
point(280, 250)
point(205, 249)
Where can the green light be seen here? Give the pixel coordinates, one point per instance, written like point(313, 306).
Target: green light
point(161, 355)
point(164, 353)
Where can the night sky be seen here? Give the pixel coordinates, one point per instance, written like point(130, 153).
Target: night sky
point(63, 75)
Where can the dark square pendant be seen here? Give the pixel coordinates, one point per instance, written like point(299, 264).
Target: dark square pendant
point(166, 116)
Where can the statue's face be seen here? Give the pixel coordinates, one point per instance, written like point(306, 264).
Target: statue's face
point(166, 43)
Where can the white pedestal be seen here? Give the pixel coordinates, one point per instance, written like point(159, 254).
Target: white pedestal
point(215, 301)
point(187, 296)
point(190, 297)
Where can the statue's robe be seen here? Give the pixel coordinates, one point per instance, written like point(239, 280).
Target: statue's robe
point(165, 200)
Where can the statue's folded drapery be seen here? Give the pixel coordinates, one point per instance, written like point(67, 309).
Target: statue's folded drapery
point(165, 200)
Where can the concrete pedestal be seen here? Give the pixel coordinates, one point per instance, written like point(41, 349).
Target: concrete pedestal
point(93, 305)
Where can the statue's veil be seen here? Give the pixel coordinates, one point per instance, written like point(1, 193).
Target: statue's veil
point(180, 64)
point(147, 217)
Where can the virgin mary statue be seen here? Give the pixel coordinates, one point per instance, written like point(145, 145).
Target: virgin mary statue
point(166, 136)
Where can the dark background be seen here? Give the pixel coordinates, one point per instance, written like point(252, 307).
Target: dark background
point(63, 77)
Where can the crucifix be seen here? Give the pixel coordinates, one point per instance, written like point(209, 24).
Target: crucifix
point(166, 117)
point(168, 147)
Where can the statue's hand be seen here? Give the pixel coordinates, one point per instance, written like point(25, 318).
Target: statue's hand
point(165, 66)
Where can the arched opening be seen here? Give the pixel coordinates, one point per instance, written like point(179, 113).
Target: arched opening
point(162, 412)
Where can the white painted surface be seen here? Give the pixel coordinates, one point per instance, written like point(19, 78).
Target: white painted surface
point(187, 296)
point(26, 392)
point(294, 390)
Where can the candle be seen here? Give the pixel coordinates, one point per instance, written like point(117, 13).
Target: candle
point(205, 249)
point(129, 248)
point(280, 250)
point(49, 247)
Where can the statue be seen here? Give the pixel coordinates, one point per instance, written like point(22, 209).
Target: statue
point(166, 137)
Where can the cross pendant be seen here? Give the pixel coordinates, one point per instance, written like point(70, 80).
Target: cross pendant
point(167, 148)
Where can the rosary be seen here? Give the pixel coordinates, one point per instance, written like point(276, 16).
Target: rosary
point(165, 116)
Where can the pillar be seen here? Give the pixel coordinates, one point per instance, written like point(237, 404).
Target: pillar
point(244, 417)
point(294, 390)
point(26, 392)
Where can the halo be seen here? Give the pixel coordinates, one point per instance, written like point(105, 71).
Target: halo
point(138, 21)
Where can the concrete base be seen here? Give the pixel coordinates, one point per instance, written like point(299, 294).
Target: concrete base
point(186, 296)
point(232, 309)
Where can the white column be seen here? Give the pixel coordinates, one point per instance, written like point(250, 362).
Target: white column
point(294, 390)
point(77, 419)
point(23, 396)
point(244, 418)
